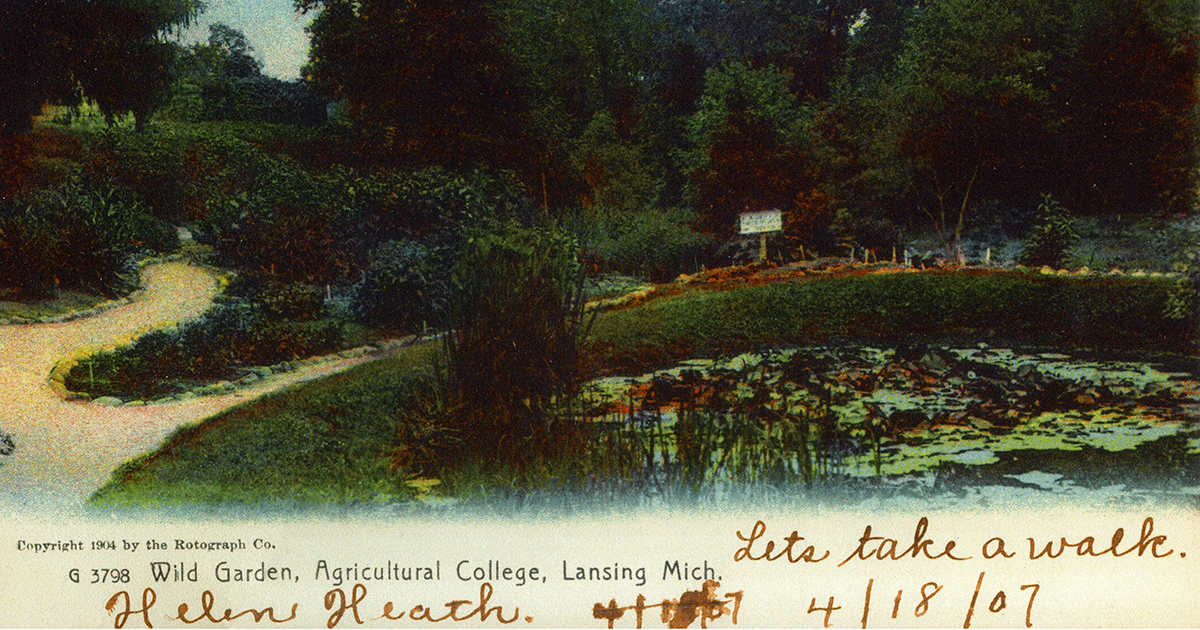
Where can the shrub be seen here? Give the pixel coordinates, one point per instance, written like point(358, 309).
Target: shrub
point(182, 172)
point(748, 145)
point(156, 235)
point(271, 342)
point(1173, 244)
point(256, 98)
point(35, 160)
point(367, 208)
point(1049, 240)
point(865, 228)
point(617, 172)
point(79, 234)
point(279, 224)
point(402, 289)
point(322, 227)
point(1184, 301)
point(291, 302)
point(654, 244)
point(268, 323)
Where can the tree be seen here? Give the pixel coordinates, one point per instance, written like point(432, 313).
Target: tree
point(581, 68)
point(234, 51)
point(1128, 99)
point(855, 129)
point(576, 58)
point(126, 75)
point(110, 49)
point(748, 147)
point(616, 170)
point(220, 80)
point(226, 55)
point(427, 77)
point(806, 40)
point(33, 63)
point(332, 43)
point(943, 108)
point(969, 108)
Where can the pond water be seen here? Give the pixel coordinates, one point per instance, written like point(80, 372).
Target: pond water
point(931, 416)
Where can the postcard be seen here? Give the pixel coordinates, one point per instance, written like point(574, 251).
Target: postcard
point(599, 314)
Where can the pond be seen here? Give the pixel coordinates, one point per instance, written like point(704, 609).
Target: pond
point(934, 417)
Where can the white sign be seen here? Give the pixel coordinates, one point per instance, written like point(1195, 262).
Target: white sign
point(759, 222)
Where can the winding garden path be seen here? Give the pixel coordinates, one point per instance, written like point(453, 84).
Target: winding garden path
point(66, 449)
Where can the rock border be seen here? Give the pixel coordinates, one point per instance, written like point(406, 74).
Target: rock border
point(73, 315)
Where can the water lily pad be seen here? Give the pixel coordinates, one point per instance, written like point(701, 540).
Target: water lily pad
point(927, 407)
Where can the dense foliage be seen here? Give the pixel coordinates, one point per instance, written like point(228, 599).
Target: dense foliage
point(646, 127)
point(447, 99)
point(77, 235)
point(914, 114)
point(112, 50)
point(221, 80)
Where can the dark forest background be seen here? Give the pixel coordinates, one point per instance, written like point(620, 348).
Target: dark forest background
point(642, 127)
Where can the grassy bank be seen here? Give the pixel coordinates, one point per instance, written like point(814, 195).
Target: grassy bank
point(951, 307)
point(343, 440)
point(364, 435)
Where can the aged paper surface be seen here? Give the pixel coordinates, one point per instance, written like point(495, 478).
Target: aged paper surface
point(396, 572)
point(1022, 549)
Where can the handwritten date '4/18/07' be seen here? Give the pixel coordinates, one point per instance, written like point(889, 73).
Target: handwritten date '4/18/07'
point(926, 599)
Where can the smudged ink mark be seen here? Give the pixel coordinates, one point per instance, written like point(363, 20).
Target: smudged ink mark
point(678, 613)
point(8, 445)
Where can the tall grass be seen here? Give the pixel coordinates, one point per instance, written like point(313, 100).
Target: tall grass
point(516, 323)
point(686, 438)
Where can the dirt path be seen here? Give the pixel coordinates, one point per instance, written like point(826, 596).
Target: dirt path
point(66, 450)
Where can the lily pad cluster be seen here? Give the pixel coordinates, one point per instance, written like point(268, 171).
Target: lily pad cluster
point(802, 414)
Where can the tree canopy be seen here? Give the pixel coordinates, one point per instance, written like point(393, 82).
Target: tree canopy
point(427, 77)
point(220, 79)
point(907, 112)
point(111, 51)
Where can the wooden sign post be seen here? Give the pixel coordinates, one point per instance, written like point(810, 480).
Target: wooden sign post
point(761, 223)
